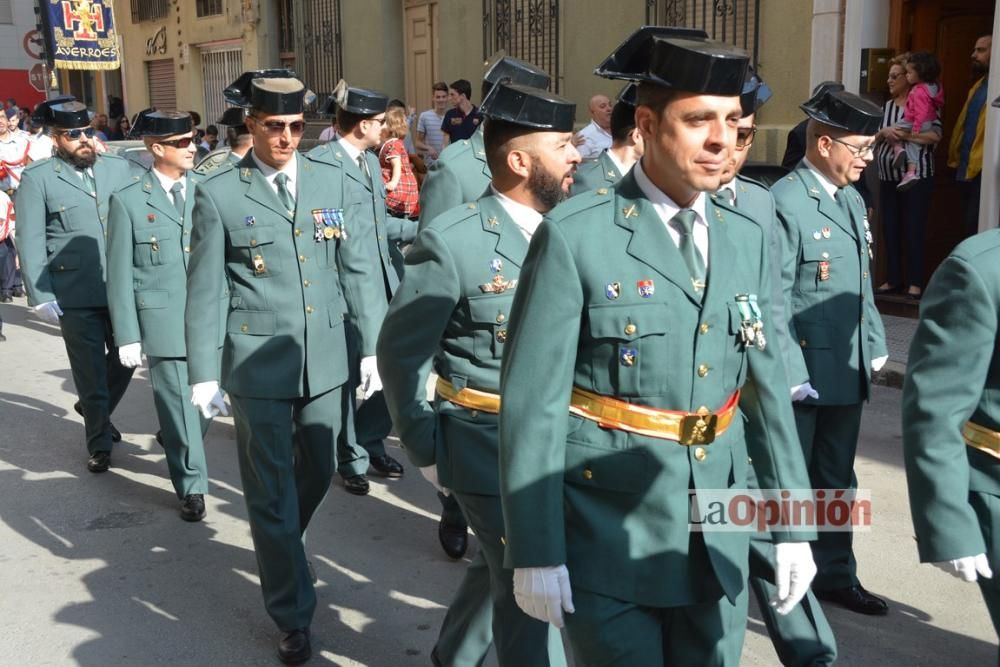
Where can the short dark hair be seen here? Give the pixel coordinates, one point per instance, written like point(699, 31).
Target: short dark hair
point(653, 96)
point(497, 135)
point(462, 87)
point(212, 129)
point(926, 65)
point(622, 121)
point(440, 85)
point(347, 121)
point(395, 102)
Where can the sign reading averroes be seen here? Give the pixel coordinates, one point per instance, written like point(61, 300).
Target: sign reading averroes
point(83, 34)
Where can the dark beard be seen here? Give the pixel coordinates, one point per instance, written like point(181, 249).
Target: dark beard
point(76, 160)
point(545, 188)
point(979, 70)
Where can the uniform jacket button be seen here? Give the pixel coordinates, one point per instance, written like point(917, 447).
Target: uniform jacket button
point(588, 474)
point(703, 329)
point(244, 328)
point(630, 329)
point(700, 454)
point(702, 370)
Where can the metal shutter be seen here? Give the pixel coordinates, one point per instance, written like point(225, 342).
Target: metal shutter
point(162, 85)
point(219, 68)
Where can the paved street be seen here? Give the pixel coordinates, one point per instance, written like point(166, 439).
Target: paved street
point(99, 570)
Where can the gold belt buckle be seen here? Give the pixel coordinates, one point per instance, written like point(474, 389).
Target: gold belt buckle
point(698, 429)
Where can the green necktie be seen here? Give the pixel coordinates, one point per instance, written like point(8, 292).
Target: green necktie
point(727, 195)
point(684, 222)
point(284, 196)
point(363, 166)
point(843, 201)
point(88, 182)
point(178, 197)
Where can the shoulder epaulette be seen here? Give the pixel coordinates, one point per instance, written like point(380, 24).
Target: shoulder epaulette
point(455, 215)
point(582, 202)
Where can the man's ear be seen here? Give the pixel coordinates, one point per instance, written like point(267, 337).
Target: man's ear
point(519, 163)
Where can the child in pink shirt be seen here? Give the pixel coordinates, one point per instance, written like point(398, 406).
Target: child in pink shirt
point(923, 103)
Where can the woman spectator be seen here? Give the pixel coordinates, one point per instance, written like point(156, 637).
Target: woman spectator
point(903, 213)
point(121, 129)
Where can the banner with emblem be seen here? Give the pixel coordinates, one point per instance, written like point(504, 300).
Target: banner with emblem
point(82, 33)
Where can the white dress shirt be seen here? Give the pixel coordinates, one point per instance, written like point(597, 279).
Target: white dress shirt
point(622, 169)
point(595, 140)
point(731, 186)
point(667, 209)
point(824, 182)
point(291, 169)
point(166, 183)
point(526, 218)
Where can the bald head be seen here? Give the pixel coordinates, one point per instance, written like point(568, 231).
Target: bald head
point(600, 111)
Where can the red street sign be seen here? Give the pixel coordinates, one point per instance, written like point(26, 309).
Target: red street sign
point(32, 43)
point(36, 77)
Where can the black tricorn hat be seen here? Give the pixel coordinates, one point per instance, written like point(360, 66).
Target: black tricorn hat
point(235, 118)
point(755, 93)
point(64, 112)
point(628, 95)
point(162, 124)
point(530, 107)
point(845, 110)
point(680, 59)
point(359, 101)
point(275, 91)
point(506, 68)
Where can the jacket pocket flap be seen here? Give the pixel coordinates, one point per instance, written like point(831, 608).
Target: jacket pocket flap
point(64, 261)
point(152, 298)
point(490, 308)
point(628, 321)
point(252, 322)
point(251, 237)
point(622, 470)
point(819, 252)
point(153, 234)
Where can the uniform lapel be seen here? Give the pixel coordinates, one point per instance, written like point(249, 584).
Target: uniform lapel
point(192, 183)
point(609, 169)
point(511, 243)
point(650, 243)
point(479, 150)
point(824, 202)
point(157, 198)
point(68, 174)
point(258, 188)
point(721, 250)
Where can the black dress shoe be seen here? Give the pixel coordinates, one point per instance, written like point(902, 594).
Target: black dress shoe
point(193, 508)
point(116, 435)
point(6, 298)
point(99, 462)
point(857, 599)
point(888, 289)
point(18, 292)
point(386, 466)
point(454, 539)
point(294, 647)
point(356, 484)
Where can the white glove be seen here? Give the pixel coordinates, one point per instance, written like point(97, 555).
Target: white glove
point(794, 570)
point(877, 364)
point(49, 312)
point(544, 593)
point(966, 568)
point(430, 473)
point(130, 355)
point(801, 392)
point(206, 397)
point(370, 381)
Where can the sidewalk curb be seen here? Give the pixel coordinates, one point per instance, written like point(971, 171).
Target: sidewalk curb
point(891, 375)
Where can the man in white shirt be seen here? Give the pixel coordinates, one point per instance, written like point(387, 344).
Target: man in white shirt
point(429, 139)
point(596, 136)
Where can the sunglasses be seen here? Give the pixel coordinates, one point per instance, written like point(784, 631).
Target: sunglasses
point(88, 132)
point(276, 128)
point(744, 136)
point(183, 142)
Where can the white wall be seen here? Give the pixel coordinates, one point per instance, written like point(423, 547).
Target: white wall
point(12, 54)
point(825, 62)
point(989, 200)
point(866, 26)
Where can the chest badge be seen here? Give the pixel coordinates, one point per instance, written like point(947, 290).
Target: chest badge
point(498, 285)
point(824, 271)
point(630, 212)
point(259, 268)
point(817, 235)
point(496, 265)
point(613, 290)
point(627, 356)
point(646, 288)
point(151, 218)
point(825, 232)
point(492, 221)
point(329, 224)
point(249, 221)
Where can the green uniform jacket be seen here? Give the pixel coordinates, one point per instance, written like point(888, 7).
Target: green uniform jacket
point(289, 293)
point(834, 320)
point(600, 173)
point(953, 376)
point(148, 249)
point(459, 176)
point(756, 200)
point(612, 505)
point(443, 311)
point(61, 230)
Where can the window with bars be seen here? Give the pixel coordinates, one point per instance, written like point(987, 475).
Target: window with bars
point(286, 28)
point(208, 7)
point(149, 10)
point(525, 29)
point(319, 48)
point(731, 21)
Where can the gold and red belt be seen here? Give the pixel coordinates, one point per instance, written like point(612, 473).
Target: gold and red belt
point(472, 399)
point(981, 438)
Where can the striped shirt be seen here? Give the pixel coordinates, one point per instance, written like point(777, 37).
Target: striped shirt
point(892, 114)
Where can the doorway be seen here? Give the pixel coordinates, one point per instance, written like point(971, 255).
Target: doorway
point(420, 51)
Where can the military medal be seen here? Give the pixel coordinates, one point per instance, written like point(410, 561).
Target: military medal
point(502, 336)
point(627, 356)
point(646, 288)
point(613, 290)
point(151, 217)
point(826, 232)
point(817, 235)
point(751, 321)
point(496, 265)
point(258, 265)
point(868, 237)
point(329, 224)
point(498, 285)
point(824, 270)
point(249, 221)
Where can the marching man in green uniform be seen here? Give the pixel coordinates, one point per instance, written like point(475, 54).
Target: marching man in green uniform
point(827, 249)
point(625, 150)
point(461, 175)
point(360, 117)
point(149, 242)
point(62, 217)
point(274, 230)
point(803, 636)
point(453, 307)
point(951, 418)
point(635, 325)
